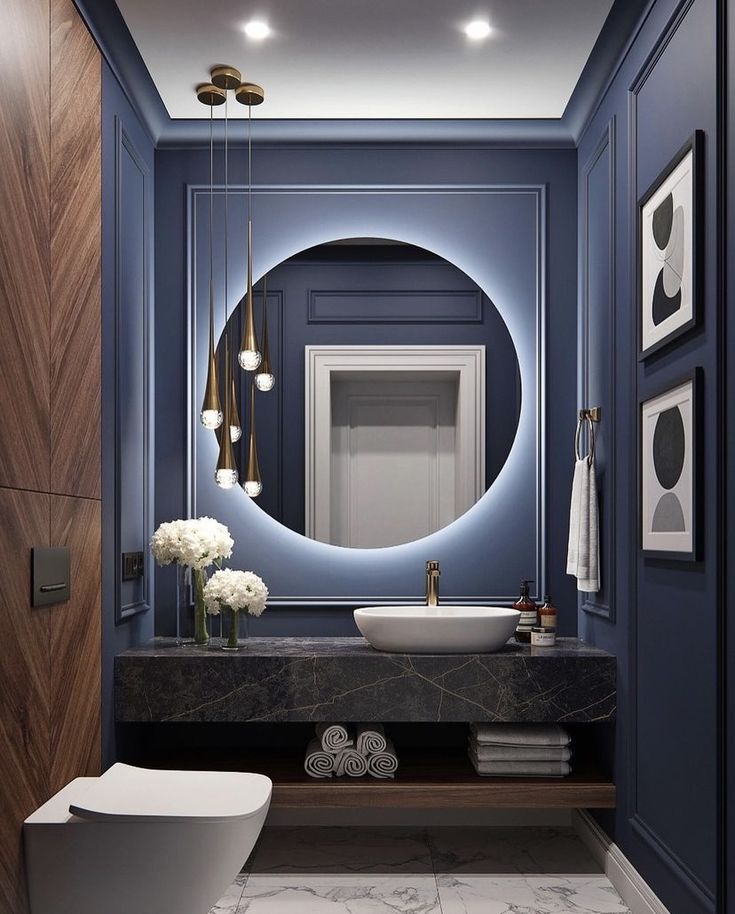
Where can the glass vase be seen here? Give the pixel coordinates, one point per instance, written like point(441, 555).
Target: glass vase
point(234, 628)
point(183, 602)
point(198, 580)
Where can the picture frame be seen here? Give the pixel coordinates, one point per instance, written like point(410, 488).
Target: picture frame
point(669, 250)
point(670, 467)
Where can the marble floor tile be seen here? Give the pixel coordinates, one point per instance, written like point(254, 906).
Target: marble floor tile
point(315, 851)
point(509, 850)
point(397, 894)
point(229, 902)
point(529, 895)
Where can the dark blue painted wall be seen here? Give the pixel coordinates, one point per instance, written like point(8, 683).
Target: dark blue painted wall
point(127, 224)
point(379, 166)
point(660, 618)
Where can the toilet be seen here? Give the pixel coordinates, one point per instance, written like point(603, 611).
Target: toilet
point(143, 841)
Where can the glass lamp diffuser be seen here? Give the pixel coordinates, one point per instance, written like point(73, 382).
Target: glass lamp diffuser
point(253, 484)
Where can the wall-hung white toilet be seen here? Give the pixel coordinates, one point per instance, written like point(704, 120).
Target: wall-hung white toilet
point(139, 841)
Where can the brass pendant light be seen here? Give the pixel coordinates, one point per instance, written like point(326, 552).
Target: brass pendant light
point(211, 411)
point(253, 484)
point(265, 379)
point(226, 474)
point(235, 424)
point(249, 355)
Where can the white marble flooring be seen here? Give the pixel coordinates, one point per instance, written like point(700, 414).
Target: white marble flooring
point(420, 871)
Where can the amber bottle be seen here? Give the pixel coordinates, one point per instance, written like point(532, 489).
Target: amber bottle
point(529, 614)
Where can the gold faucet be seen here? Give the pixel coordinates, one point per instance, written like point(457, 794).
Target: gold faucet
point(432, 583)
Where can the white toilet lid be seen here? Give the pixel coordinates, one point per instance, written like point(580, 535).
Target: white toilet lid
point(142, 794)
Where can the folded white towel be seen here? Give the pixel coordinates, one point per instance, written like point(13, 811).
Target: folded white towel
point(521, 769)
point(583, 553)
point(370, 739)
point(334, 737)
point(351, 763)
point(318, 763)
point(383, 764)
point(520, 734)
point(493, 753)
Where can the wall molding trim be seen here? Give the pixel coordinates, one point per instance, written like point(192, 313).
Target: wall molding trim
point(124, 146)
point(470, 301)
point(538, 194)
point(628, 882)
point(606, 142)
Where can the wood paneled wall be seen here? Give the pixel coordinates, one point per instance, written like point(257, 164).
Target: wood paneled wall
point(50, 394)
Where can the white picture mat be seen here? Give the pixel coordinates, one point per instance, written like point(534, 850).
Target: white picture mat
point(680, 183)
point(651, 489)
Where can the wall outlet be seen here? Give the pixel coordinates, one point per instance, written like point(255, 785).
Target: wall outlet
point(133, 565)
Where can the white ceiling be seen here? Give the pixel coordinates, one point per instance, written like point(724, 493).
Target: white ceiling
point(372, 58)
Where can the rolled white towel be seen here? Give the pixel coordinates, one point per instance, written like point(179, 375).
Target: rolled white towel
point(370, 739)
point(351, 763)
point(494, 753)
point(383, 764)
point(520, 734)
point(318, 763)
point(521, 769)
point(334, 737)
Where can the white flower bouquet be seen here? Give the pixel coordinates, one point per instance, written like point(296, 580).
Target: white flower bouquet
point(195, 543)
point(235, 591)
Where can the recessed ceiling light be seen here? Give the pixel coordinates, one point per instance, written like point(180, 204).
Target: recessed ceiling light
point(257, 29)
point(477, 29)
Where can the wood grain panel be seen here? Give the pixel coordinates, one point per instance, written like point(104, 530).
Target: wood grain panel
point(24, 243)
point(76, 645)
point(24, 665)
point(75, 168)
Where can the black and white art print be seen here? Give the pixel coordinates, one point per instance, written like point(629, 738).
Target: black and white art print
point(668, 472)
point(669, 241)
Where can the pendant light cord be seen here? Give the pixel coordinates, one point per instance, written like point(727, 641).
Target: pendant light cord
point(250, 163)
point(226, 211)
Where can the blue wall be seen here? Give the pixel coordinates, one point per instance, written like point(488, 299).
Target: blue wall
point(127, 442)
point(660, 618)
point(366, 167)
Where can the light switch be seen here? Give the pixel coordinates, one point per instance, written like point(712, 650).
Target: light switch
point(51, 575)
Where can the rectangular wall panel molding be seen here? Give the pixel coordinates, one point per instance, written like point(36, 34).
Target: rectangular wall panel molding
point(597, 345)
point(395, 306)
point(24, 243)
point(75, 173)
point(133, 372)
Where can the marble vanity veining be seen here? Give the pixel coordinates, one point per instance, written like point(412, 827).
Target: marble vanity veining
point(313, 679)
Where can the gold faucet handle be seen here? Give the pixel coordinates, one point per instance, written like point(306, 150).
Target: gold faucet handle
point(432, 567)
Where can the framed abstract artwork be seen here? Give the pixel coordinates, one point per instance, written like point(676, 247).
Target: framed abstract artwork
point(670, 455)
point(670, 250)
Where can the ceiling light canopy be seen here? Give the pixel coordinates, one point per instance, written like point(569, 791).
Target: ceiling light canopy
point(257, 29)
point(477, 29)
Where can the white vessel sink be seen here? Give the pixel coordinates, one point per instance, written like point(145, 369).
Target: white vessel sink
point(437, 629)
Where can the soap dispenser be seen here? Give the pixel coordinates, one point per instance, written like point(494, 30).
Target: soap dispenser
point(529, 614)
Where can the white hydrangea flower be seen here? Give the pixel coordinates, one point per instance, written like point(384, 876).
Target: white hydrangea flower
point(238, 590)
point(197, 542)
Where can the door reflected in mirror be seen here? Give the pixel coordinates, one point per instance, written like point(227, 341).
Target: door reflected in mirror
point(397, 395)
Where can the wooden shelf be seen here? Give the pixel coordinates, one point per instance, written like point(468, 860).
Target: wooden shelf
point(443, 781)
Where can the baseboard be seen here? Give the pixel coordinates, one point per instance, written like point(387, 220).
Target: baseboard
point(630, 885)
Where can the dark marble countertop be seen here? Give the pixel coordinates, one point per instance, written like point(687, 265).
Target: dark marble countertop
point(327, 679)
point(340, 647)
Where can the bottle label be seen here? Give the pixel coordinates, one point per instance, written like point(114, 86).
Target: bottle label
point(548, 621)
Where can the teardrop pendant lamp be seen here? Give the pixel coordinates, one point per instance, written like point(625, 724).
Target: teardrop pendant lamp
point(226, 474)
point(249, 355)
point(211, 411)
point(253, 484)
point(265, 379)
